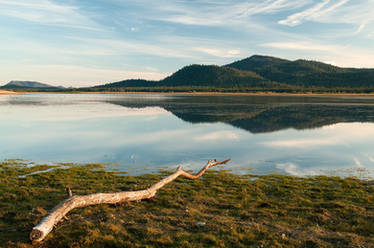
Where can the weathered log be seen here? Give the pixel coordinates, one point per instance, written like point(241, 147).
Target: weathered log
point(40, 231)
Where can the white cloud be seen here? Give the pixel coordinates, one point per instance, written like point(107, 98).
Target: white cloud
point(331, 8)
point(358, 13)
point(311, 13)
point(234, 53)
point(46, 12)
point(150, 68)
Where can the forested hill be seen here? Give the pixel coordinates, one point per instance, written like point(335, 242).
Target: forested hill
point(207, 76)
point(259, 73)
point(306, 73)
point(217, 76)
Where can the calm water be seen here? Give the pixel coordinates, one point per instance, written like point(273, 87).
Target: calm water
point(142, 133)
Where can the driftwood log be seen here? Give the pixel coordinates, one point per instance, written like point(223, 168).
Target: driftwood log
point(40, 231)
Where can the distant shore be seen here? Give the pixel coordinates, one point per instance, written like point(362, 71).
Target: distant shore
point(6, 92)
point(236, 93)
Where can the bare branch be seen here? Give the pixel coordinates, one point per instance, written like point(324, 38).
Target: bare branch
point(40, 231)
point(68, 192)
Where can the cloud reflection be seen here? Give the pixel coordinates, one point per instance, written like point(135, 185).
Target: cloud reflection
point(301, 143)
point(295, 170)
point(218, 135)
point(86, 111)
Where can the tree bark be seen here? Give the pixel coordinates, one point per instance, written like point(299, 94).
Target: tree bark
point(40, 231)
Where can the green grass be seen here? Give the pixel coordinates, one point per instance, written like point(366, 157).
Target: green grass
point(218, 210)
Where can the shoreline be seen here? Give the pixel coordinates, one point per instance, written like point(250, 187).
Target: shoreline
point(6, 92)
point(219, 210)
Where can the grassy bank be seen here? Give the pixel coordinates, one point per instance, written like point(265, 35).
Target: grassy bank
point(218, 210)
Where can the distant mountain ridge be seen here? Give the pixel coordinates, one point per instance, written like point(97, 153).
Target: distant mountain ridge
point(15, 84)
point(262, 73)
point(202, 76)
point(257, 73)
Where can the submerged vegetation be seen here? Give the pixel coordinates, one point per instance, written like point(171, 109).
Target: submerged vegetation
point(218, 210)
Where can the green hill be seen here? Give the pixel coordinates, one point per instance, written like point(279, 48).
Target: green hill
point(128, 83)
point(212, 75)
point(258, 73)
point(306, 73)
point(206, 76)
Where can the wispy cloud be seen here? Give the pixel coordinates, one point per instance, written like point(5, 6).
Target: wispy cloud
point(271, 6)
point(223, 53)
point(297, 18)
point(46, 12)
point(218, 13)
point(358, 13)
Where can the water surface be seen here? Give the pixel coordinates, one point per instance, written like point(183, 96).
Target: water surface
point(142, 133)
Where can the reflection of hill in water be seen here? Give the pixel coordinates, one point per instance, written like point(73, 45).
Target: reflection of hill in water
point(262, 114)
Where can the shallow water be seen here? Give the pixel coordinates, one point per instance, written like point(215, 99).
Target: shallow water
point(143, 133)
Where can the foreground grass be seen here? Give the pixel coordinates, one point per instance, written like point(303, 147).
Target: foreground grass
point(218, 210)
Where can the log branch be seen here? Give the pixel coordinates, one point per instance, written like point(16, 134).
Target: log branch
point(40, 231)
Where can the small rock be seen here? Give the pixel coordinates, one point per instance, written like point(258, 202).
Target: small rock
point(201, 223)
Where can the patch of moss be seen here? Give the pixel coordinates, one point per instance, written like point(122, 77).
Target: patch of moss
point(218, 210)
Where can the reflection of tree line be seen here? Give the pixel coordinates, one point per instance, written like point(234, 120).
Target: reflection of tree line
point(260, 117)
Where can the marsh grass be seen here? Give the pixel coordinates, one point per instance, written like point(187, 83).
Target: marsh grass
point(218, 210)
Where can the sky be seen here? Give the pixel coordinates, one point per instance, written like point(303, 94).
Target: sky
point(90, 42)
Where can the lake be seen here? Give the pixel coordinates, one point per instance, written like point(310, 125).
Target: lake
point(136, 133)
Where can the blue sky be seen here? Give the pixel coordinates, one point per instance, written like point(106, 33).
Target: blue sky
point(89, 42)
